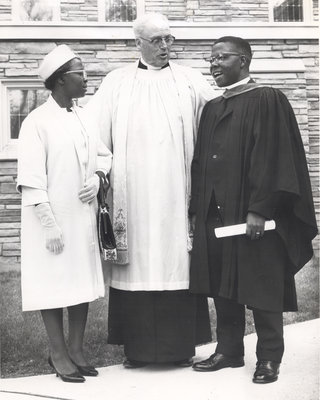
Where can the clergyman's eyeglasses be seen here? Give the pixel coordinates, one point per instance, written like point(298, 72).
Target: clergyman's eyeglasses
point(158, 40)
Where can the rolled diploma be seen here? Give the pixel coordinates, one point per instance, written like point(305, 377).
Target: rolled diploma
point(240, 229)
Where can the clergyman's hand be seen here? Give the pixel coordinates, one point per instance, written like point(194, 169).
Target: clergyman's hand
point(193, 222)
point(255, 226)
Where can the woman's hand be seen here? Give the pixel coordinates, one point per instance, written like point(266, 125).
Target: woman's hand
point(90, 189)
point(54, 240)
point(53, 233)
point(255, 226)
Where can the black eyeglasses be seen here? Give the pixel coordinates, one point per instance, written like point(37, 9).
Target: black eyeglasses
point(158, 40)
point(219, 58)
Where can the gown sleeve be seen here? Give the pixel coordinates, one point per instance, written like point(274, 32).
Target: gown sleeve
point(32, 160)
point(279, 180)
point(100, 110)
point(32, 196)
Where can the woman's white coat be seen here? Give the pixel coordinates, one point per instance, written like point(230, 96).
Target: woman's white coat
point(51, 160)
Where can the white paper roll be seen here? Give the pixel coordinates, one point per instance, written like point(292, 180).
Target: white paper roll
point(240, 229)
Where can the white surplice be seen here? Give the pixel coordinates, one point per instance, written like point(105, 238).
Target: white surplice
point(157, 228)
point(157, 172)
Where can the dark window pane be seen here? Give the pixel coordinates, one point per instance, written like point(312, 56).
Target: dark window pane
point(121, 10)
point(22, 102)
point(288, 11)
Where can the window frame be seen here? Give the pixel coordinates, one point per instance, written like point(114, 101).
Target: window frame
point(9, 146)
point(181, 30)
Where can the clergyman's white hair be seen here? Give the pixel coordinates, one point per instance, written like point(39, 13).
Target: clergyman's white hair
point(146, 19)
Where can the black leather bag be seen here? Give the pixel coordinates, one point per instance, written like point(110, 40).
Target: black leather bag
point(106, 237)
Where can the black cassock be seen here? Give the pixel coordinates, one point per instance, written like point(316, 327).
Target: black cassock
point(249, 156)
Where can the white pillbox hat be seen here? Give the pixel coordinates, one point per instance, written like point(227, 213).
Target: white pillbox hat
point(54, 60)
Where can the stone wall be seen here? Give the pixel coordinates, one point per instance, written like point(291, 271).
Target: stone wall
point(174, 9)
point(9, 213)
point(216, 11)
point(21, 59)
point(315, 4)
point(5, 10)
point(79, 10)
point(228, 11)
point(212, 11)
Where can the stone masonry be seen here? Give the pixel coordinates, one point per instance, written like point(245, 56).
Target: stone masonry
point(79, 10)
point(10, 207)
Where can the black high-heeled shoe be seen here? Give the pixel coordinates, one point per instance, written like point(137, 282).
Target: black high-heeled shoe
point(74, 377)
point(87, 370)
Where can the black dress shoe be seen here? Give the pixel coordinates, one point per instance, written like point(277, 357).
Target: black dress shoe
point(184, 363)
point(218, 361)
point(266, 372)
point(127, 363)
point(74, 377)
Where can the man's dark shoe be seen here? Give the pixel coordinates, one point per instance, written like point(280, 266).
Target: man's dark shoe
point(133, 363)
point(184, 363)
point(218, 361)
point(266, 372)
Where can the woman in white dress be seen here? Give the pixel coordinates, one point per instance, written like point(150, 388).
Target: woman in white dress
point(58, 159)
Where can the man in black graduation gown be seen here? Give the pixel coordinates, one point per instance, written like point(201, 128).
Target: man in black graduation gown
point(249, 166)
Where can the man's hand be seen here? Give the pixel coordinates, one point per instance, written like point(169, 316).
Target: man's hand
point(255, 226)
point(90, 189)
point(193, 222)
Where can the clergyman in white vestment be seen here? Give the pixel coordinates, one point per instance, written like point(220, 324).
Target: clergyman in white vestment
point(147, 114)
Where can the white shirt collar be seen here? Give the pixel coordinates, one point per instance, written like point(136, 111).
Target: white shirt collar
point(242, 82)
point(148, 65)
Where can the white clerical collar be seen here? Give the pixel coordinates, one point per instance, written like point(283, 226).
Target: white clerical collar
point(242, 82)
point(148, 65)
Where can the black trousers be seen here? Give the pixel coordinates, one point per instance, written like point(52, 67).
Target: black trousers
point(231, 326)
point(231, 315)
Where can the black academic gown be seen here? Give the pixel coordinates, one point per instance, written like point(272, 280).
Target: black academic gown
point(249, 155)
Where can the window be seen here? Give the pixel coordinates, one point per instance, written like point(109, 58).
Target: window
point(18, 98)
point(290, 10)
point(120, 10)
point(35, 10)
point(21, 102)
point(53, 11)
